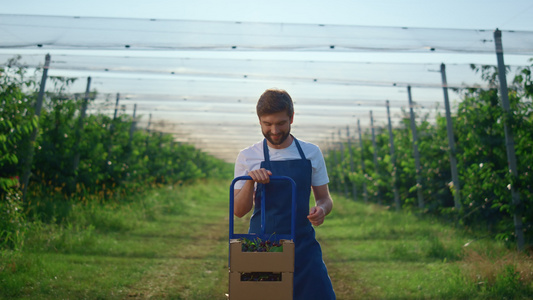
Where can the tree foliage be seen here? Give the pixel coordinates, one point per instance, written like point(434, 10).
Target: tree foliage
point(96, 157)
point(485, 179)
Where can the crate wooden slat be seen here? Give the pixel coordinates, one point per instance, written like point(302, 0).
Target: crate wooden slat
point(261, 261)
point(259, 290)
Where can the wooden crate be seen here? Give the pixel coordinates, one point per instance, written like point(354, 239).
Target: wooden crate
point(249, 262)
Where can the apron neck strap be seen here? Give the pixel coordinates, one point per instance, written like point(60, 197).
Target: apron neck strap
point(302, 155)
point(265, 151)
point(267, 156)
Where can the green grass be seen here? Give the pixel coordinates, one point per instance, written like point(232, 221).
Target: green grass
point(374, 253)
point(172, 243)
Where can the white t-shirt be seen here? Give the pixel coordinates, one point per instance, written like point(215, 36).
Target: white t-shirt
point(250, 159)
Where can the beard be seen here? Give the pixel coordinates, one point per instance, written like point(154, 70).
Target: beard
point(284, 136)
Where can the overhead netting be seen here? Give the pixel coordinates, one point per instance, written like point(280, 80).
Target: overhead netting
point(200, 80)
point(115, 33)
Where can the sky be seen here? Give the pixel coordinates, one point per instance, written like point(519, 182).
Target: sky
point(459, 14)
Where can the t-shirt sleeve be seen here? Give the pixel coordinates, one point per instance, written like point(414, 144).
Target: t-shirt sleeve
point(320, 172)
point(248, 159)
point(240, 170)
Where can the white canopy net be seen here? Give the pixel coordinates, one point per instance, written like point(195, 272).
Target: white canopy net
point(200, 80)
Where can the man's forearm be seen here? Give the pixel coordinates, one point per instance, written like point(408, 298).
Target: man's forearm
point(243, 199)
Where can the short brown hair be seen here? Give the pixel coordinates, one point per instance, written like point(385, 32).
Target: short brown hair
point(273, 101)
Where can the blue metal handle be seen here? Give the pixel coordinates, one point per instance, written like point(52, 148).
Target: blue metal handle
point(232, 235)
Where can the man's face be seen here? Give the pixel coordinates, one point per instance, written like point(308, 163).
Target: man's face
point(276, 128)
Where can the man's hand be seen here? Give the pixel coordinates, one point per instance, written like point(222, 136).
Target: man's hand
point(316, 215)
point(244, 197)
point(260, 175)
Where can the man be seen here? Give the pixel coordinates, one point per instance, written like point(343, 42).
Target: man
point(281, 154)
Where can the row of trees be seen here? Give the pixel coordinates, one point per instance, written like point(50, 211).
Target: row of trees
point(73, 157)
point(484, 176)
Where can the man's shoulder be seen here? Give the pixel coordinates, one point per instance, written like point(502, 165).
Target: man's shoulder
point(307, 144)
point(308, 147)
point(254, 147)
point(252, 150)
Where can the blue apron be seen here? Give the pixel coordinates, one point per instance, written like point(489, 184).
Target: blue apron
point(311, 280)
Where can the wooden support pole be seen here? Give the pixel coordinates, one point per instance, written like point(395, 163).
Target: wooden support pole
point(116, 107)
point(331, 159)
point(365, 193)
point(79, 129)
point(337, 164)
point(393, 161)
point(376, 167)
point(111, 133)
point(148, 132)
point(509, 142)
point(416, 154)
point(343, 175)
point(352, 169)
point(38, 106)
point(132, 129)
point(451, 140)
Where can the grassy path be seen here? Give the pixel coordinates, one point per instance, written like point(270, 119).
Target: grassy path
point(173, 245)
point(371, 253)
point(195, 266)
